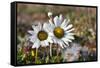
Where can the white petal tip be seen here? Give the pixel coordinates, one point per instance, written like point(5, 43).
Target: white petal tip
point(30, 32)
point(49, 14)
point(33, 46)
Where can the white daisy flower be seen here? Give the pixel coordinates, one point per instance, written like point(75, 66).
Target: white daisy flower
point(61, 31)
point(39, 36)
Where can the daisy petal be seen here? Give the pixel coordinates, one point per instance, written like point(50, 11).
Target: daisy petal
point(39, 26)
point(31, 32)
point(49, 14)
point(60, 18)
point(70, 30)
point(36, 29)
point(68, 27)
point(66, 42)
point(51, 34)
point(57, 21)
point(60, 43)
point(50, 40)
point(69, 34)
point(44, 26)
point(51, 26)
point(65, 23)
point(66, 39)
point(43, 43)
point(54, 40)
point(32, 38)
point(33, 26)
point(36, 44)
point(70, 37)
point(51, 23)
point(46, 43)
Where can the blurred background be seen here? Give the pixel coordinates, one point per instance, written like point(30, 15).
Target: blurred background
point(82, 18)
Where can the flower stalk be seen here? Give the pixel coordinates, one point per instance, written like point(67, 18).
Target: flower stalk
point(36, 55)
point(50, 49)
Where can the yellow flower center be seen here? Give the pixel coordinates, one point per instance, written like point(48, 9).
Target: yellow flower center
point(42, 35)
point(58, 32)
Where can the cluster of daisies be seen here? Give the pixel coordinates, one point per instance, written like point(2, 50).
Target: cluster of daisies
point(56, 31)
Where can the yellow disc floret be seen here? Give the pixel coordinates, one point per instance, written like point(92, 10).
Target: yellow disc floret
point(42, 35)
point(58, 32)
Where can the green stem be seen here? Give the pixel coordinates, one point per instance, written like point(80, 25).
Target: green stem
point(36, 55)
point(50, 50)
point(57, 50)
point(57, 53)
